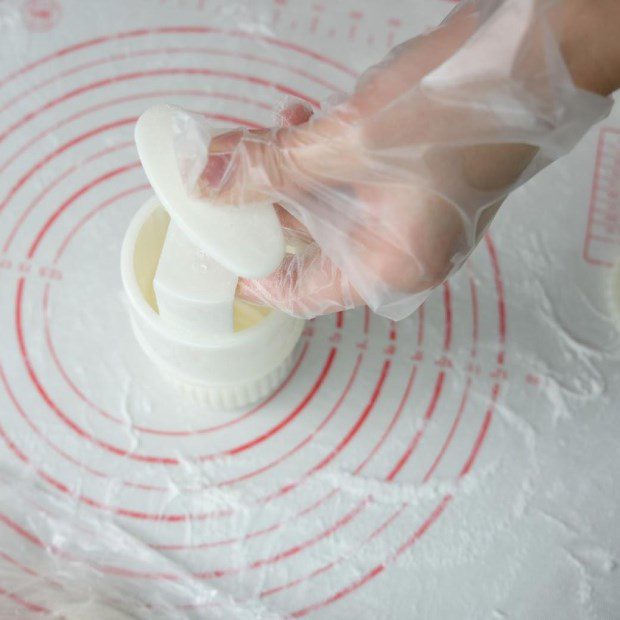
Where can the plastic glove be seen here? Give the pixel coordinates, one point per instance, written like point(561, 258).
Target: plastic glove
point(386, 194)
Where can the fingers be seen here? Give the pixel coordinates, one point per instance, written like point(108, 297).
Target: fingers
point(226, 149)
point(293, 114)
point(275, 164)
point(220, 152)
point(305, 285)
point(243, 165)
point(409, 62)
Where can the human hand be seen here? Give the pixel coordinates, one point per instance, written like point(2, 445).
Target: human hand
point(386, 194)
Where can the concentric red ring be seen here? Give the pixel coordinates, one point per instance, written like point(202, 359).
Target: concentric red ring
point(352, 514)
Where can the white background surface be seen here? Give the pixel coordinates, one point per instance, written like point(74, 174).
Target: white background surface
point(460, 464)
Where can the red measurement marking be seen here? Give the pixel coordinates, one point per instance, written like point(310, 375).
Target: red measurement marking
point(355, 585)
point(418, 435)
point(418, 356)
point(532, 379)
point(483, 432)
point(335, 337)
point(41, 15)
point(50, 273)
point(501, 298)
point(317, 8)
point(185, 30)
point(602, 235)
point(339, 320)
point(28, 571)
point(474, 369)
point(451, 432)
point(80, 192)
point(363, 346)
point(499, 374)
point(389, 350)
point(444, 362)
point(355, 428)
point(393, 24)
point(25, 268)
point(32, 607)
point(356, 16)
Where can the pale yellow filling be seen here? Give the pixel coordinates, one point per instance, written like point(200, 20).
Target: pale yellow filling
point(148, 248)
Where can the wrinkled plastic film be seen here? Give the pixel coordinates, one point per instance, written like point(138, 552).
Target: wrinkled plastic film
point(396, 185)
point(191, 138)
point(88, 567)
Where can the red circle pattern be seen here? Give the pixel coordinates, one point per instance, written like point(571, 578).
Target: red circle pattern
point(336, 352)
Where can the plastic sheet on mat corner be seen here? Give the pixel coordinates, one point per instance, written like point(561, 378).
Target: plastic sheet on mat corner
point(88, 568)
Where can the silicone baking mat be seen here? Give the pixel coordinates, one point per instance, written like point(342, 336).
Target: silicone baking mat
point(462, 463)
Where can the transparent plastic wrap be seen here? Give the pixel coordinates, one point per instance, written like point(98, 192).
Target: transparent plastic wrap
point(389, 191)
point(87, 568)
